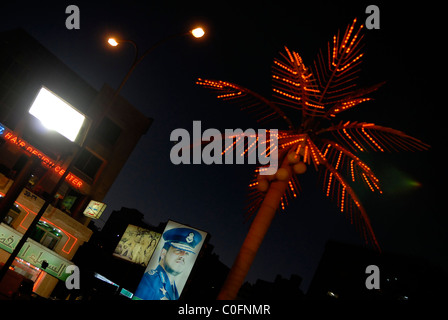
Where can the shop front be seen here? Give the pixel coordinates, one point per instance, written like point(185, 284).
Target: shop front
point(46, 254)
point(35, 262)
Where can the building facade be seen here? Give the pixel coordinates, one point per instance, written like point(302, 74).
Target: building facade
point(34, 159)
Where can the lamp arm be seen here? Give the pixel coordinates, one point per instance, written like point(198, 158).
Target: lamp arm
point(137, 60)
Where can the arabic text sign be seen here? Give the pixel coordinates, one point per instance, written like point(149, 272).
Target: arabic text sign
point(34, 253)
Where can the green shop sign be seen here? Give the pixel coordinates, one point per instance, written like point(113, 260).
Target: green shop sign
point(34, 253)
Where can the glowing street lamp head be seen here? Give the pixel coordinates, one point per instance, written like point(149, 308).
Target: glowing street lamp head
point(113, 42)
point(198, 32)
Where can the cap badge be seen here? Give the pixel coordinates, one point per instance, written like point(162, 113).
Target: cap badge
point(190, 237)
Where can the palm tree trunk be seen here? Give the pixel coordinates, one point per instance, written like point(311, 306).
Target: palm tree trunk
point(254, 237)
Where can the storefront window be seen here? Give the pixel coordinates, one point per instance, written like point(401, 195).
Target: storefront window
point(46, 235)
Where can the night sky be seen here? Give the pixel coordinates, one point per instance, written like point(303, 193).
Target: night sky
point(240, 43)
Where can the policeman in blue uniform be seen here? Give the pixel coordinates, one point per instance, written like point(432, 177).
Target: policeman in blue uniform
point(159, 283)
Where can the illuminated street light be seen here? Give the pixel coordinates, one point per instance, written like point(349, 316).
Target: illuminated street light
point(198, 32)
point(112, 42)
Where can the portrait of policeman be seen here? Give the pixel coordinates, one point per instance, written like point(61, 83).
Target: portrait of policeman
point(174, 259)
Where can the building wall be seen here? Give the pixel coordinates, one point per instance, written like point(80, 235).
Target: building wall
point(26, 66)
point(109, 134)
point(132, 125)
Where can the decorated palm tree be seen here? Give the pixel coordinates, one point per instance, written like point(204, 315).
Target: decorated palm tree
point(309, 100)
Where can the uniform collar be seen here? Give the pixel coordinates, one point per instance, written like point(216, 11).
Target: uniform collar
point(171, 290)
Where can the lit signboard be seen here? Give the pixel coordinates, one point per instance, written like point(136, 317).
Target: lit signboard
point(171, 263)
point(11, 137)
point(34, 253)
point(56, 114)
point(95, 209)
point(137, 245)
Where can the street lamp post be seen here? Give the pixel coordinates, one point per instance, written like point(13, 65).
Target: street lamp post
point(197, 33)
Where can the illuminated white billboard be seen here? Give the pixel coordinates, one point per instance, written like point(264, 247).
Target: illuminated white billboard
point(56, 114)
point(171, 263)
point(137, 245)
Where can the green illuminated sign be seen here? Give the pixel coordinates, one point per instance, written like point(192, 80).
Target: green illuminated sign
point(34, 253)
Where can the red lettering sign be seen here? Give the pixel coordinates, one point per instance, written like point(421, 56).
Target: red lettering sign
point(46, 161)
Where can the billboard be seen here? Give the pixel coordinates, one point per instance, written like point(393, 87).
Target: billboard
point(171, 264)
point(137, 245)
point(95, 209)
